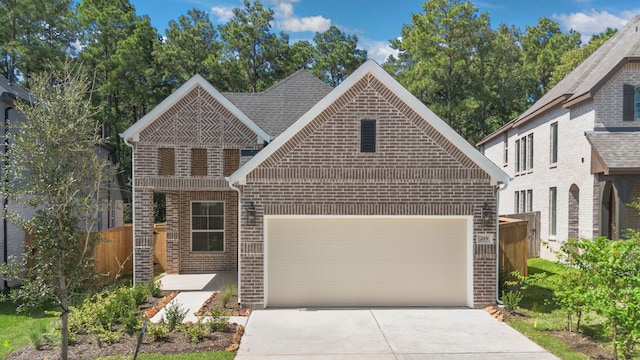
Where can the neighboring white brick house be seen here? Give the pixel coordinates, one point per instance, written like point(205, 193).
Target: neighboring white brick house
point(581, 187)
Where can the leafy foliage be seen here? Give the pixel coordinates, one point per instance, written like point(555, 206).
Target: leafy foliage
point(174, 315)
point(56, 171)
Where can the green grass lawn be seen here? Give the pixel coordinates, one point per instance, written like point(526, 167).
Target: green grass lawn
point(543, 316)
point(15, 328)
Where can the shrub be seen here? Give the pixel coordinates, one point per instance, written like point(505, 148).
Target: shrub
point(174, 315)
point(196, 332)
point(217, 321)
point(158, 331)
point(511, 300)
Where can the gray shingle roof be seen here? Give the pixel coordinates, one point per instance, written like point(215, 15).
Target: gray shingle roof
point(587, 78)
point(13, 89)
point(617, 152)
point(589, 75)
point(276, 108)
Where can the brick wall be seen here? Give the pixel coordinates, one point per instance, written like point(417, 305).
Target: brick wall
point(197, 129)
point(414, 171)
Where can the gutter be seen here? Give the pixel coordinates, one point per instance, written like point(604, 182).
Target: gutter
point(133, 208)
point(5, 225)
point(239, 233)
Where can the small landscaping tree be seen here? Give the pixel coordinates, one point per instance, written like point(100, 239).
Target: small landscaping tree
point(55, 170)
point(571, 290)
point(611, 270)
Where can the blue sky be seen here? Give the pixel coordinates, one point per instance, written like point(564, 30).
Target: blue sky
point(375, 22)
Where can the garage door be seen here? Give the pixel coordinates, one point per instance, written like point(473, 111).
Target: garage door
point(367, 261)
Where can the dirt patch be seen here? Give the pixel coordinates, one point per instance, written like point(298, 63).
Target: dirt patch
point(232, 308)
point(583, 344)
point(86, 346)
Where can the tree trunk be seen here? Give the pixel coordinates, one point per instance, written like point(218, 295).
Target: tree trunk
point(64, 327)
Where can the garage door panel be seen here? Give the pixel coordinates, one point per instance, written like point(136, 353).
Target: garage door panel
point(366, 262)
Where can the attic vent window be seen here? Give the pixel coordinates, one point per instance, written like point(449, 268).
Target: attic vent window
point(368, 136)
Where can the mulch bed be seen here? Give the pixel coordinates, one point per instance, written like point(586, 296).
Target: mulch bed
point(86, 346)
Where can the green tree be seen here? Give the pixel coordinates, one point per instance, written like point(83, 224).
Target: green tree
point(611, 270)
point(191, 47)
point(336, 55)
point(56, 171)
point(438, 55)
point(300, 56)
point(543, 46)
point(572, 58)
point(249, 42)
point(33, 35)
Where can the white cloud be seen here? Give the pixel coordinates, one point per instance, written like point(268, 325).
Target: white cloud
point(377, 50)
point(310, 23)
point(224, 13)
point(588, 23)
point(286, 20)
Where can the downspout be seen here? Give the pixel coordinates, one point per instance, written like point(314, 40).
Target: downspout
point(239, 237)
point(5, 226)
point(133, 207)
point(499, 189)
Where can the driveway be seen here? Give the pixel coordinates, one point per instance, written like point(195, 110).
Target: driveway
point(360, 334)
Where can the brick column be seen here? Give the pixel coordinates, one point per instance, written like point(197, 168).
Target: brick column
point(173, 233)
point(143, 236)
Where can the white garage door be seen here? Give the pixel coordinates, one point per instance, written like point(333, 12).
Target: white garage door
point(367, 261)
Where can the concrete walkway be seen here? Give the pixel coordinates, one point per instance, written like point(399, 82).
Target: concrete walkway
point(195, 289)
point(411, 334)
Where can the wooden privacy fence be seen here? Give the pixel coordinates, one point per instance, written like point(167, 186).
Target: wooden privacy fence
point(514, 246)
point(115, 253)
point(533, 221)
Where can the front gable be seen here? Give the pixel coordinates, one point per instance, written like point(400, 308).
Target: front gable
point(198, 118)
point(409, 135)
point(333, 138)
point(196, 112)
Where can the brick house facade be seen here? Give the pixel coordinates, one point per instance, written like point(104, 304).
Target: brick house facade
point(573, 154)
point(320, 168)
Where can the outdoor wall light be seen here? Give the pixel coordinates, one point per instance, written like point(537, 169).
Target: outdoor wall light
point(487, 215)
point(251, 214)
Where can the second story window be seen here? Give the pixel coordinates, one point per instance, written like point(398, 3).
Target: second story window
point(553, 142)
point(530, 152)
point(630, 103)
point(517, 156)
point(505, 149)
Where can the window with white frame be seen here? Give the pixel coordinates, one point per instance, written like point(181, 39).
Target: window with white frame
point(516, 202)
point(505, 149)
point(517, 156)
point(553, 141)
point(530, 152)
point(553, 197)
point(207, 226)
point(523, 202)
point(529, 200)
point(524, 154)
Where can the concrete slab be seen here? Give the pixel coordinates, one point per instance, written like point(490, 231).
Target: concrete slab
point(198, 282)
point(410, 334)
point(449, 332)
point(188, 300)
point(310, 332)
